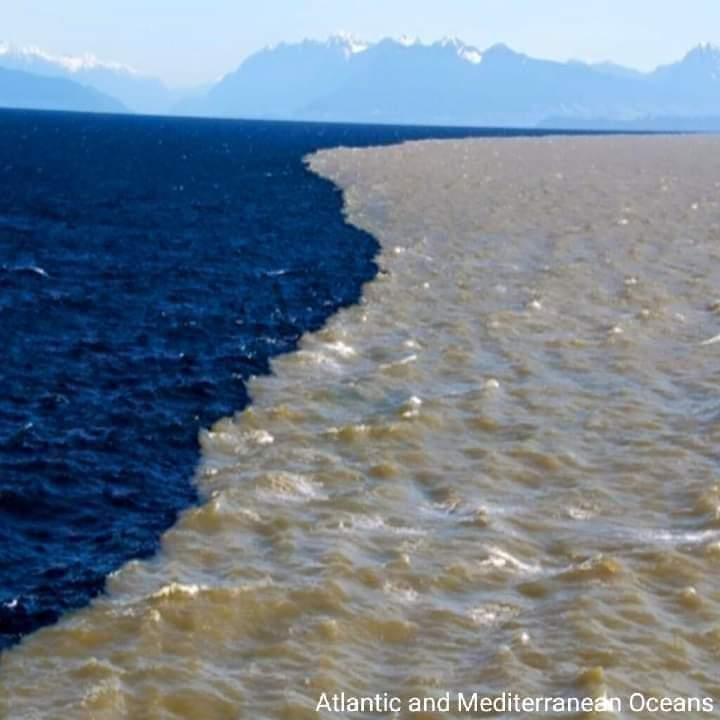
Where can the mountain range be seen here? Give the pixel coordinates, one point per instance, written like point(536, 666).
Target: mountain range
point(135, 91)
point(36, 92)
point(401, 81)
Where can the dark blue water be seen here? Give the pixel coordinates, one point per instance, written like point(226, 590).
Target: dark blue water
point(148, 267)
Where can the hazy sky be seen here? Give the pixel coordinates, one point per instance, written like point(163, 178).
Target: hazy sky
point(194, 41)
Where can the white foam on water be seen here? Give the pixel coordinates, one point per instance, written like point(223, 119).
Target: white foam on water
point(34, 269)
point(261, 437)
point(493, 614)
point(402, 593)
point(319, 358)
point(176, 588)
point(674, 538)
point(369, 524)
point(289, 487)
point(333, 517)
point(342, 349)
point(502, 559)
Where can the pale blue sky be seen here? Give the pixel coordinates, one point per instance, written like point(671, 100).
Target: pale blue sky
point(194, 41)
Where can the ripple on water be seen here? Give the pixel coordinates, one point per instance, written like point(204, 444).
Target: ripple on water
point(467, 485)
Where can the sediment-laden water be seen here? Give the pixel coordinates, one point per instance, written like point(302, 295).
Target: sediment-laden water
point(498, 472)
point(148, 267)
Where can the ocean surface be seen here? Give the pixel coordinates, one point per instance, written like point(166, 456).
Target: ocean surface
point(488, 466)
point(496, 472)
point(148, 268)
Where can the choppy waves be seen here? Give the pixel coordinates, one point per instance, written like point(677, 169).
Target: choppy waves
point(497, 472)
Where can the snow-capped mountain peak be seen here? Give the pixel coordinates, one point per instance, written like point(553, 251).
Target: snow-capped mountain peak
point(470, 54)
point(351, 44)
point(408, 41)
point(68, 63)
point(465, 52)
point(134, 90)
point(451, 41)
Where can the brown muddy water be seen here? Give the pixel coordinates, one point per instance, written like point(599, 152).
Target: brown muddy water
point(498, 473)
